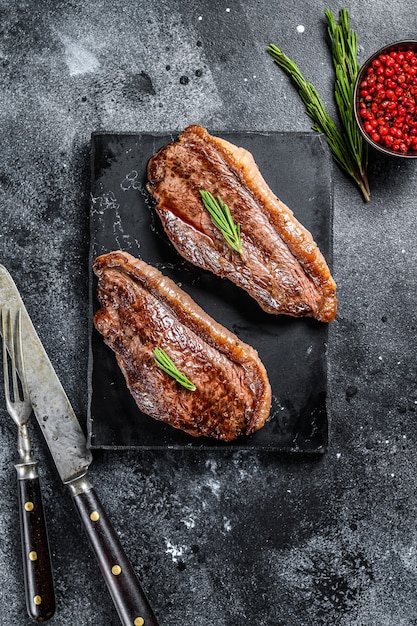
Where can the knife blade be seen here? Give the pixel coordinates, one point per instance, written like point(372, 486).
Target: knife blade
point(68, 447)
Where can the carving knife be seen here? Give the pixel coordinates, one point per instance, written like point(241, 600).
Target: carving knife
point(68, 447)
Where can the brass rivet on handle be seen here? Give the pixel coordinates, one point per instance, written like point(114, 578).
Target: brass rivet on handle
point(139, 621)
point(116, 570)
point(33, 555)
point(94, 516)
point(29, 506)
point(37, 600)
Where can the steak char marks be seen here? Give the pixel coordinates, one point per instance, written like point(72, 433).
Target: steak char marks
point(281, 266)
point(141, 309)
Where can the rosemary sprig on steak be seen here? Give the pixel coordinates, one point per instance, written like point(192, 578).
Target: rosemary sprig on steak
point(347, 147)
point(168, 366)
point(221, 217)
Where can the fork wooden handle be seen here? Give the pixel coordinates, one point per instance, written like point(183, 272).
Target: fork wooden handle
point(37, 567)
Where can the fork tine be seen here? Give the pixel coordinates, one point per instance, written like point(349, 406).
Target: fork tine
point(4, 333)
point(11, 343)
point(13, 357)
point(19, 355)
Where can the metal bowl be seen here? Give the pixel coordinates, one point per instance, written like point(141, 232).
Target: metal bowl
point(399, 46)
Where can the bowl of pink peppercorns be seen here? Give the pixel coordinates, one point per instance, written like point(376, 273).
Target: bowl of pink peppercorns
point(385, 99)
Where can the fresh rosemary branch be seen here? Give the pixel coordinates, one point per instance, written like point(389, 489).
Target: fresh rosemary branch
point(346, 147)
point(220, 216)
point(344, 54)
point(315, 109)
point(164, 362)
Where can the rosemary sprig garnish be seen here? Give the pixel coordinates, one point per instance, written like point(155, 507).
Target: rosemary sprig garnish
point(168, 366)
point(344, 54)
point(221, 217)
point(346, 147)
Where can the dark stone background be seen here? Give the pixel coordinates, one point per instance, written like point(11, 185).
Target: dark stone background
point(225, 538)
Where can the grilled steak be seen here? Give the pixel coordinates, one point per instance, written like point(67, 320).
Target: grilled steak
point(142, 309)
point(281, 265)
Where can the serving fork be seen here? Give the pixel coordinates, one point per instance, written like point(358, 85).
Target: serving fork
point(37, 567)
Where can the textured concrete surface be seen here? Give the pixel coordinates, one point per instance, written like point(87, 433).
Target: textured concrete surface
point(216, 537)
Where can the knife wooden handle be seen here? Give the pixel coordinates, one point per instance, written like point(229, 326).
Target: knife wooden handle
point(127, 594)
point(37, 567)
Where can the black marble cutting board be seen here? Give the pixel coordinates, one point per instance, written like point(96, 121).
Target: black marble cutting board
point(294, 351)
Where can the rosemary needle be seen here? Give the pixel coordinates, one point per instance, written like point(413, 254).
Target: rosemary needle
point(168, 366)
point(221, 217)
point(346, 147)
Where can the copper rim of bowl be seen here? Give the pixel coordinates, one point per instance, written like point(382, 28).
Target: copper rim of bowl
point(398, 46)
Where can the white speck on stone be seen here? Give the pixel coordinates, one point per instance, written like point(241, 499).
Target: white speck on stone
point(189, 522)
point(174, 551)
point(211, 464)
point(300, 28)
point(227, 525)
point(214, 487)
point(200, 17)
point(407, 554)
point(79, 59)
point(392, 475)
point(403, 251)
point(245, 80)
point(380, 358)
point(227, 10)
point(338, 455)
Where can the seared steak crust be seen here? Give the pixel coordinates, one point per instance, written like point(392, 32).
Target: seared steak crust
point(142, 309)
point(282, 267)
